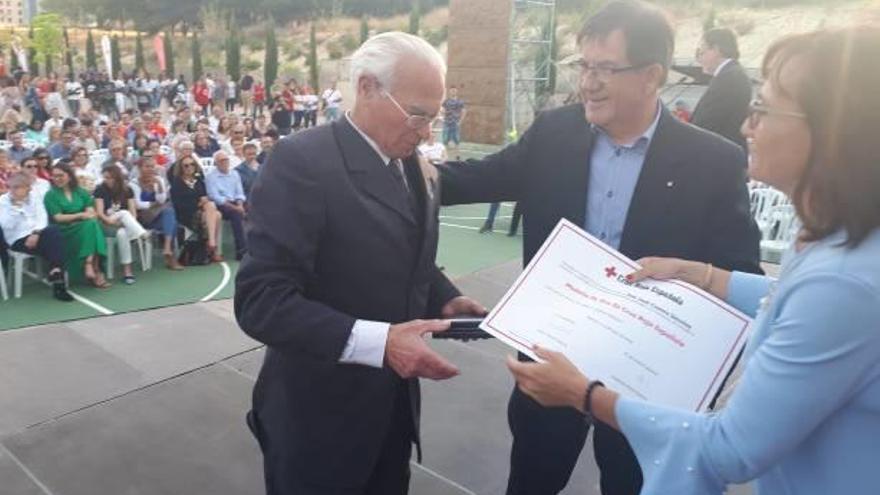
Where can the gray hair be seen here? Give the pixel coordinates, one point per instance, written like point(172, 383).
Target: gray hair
point(20, 179)
point(379, 55)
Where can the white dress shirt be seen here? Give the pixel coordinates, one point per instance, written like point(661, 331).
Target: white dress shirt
point(721, 66)
point(21, 220)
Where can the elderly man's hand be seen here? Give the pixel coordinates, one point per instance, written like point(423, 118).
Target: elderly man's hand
point(407, 353)
point(463, 306)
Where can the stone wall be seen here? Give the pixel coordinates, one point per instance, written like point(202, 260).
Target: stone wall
point(477, 58)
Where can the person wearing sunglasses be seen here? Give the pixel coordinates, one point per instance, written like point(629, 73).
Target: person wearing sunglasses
point(192, 207)
point(804, 416)
point(39, 185)
point(621, 166)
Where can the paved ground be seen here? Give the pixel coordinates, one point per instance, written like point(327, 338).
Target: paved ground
point(152, 403)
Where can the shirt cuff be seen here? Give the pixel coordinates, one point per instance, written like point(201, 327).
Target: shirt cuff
point(366, 344)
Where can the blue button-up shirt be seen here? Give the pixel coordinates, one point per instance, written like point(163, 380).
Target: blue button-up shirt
point(614, 172)
point(224, 187)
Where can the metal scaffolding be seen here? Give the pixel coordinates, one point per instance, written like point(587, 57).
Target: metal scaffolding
point(531, 73)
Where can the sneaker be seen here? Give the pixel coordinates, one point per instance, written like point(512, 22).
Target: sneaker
point(485, 228)
point(128, 280)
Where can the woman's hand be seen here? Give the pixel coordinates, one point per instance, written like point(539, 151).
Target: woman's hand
point(554, 383)
point(87, 214)
point(702, 275)
point(691, 272)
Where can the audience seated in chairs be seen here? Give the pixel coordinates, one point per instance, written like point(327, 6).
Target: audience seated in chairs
point(154, 209)
point(25, 227)
point(226, 191)
point(72, 209)
point(114, 204)
point(191, 204)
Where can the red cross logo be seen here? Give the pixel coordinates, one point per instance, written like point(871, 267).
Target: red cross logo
point(610, 272)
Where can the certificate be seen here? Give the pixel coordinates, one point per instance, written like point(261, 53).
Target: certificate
point(666, 342)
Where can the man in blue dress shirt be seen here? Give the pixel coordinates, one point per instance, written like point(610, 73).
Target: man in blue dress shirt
point(621, 166)
point(226, 191)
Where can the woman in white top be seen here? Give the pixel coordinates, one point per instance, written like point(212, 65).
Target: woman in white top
point(26, 228)
point(231, 95)
point(114, 205)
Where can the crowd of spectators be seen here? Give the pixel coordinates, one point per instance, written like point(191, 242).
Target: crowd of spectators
point(93, 160)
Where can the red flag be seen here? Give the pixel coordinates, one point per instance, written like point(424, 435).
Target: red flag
point(159, 46)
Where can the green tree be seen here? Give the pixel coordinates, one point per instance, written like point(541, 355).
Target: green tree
point(313, 58)
point(168, 48)
point(68, 56)
point(139, 63)
point(414, 17)
point(233, 55)
point(91, 56)
point(365, 29)
point(270, 66)
point(115, 56)
point(196, 58)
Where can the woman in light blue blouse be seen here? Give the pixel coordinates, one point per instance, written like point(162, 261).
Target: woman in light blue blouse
point(805, 416)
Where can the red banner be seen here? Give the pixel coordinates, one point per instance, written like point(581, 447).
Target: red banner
point(159, 46)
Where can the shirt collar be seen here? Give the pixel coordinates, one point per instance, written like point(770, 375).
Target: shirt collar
point(640, 143)
point(721, 66)
point(385, 159)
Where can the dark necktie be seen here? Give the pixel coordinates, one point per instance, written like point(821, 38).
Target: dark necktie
point(397, 171)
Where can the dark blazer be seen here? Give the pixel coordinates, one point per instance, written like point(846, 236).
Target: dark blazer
point(690, 201)
point(332, 239)
point(725, 104)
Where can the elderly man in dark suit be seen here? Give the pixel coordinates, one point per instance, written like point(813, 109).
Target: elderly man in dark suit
point(632, 175)
point(339, 276)
point(725, 104)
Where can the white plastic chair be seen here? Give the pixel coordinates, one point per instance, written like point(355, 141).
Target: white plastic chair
point(762, 203)
point(17, 272)
point(144, 248)
point(783, 229)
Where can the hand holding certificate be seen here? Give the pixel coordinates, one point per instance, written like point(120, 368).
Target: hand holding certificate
point(663, 341)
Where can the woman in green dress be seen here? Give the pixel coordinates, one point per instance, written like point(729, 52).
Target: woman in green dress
point(72, 209)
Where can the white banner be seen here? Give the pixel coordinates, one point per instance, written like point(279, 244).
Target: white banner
point(21, 54)
point(108, 54)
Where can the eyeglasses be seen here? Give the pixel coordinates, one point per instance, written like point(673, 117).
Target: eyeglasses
point(414, 122)
point(758, 110)
point(604, 71)
point(188, 164)
point(29, 166)
point(146, 155)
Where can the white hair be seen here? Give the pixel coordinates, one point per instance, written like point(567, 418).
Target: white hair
point(379, 55)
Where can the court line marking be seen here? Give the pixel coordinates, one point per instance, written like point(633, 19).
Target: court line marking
point(227, 274)
point(92, 304)
point(455, 226)
point(24, 468)
point(442, 478)
point(442, 217)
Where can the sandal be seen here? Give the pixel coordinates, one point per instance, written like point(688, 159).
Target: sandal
point(100, 282)
point(171, 263)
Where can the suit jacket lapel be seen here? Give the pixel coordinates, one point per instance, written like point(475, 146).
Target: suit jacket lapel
point(368, 172)
point(656, 186)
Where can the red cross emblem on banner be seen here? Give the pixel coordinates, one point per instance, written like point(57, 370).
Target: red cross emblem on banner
point(610, 272)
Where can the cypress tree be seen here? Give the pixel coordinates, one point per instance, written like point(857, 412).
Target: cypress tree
point(313, 58)
point(233, 56)
point(365, 29)
point(115, 57)
point(91, 56)
point(414, 17)
point(68, 56)
point(270, 66)
point(196, 58)
point(139, 63)
point(168, 48)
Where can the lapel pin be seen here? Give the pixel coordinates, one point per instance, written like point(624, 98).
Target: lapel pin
point(670, 184)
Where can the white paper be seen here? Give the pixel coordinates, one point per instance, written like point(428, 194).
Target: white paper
point(666, 342)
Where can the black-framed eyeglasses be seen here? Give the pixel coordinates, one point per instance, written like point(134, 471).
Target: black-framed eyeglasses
point(758, 110)
point(145, 155)
point(605, 71)
point(414, 122)
point(29, 166)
